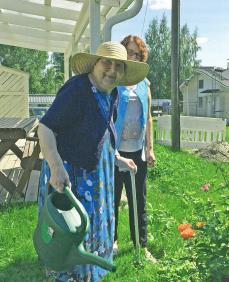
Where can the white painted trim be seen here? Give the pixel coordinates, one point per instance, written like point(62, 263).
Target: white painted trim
point(22, 20)
point(113, 11)
point(66, 67)
point(30, 32)
point(111, 3)
point(94, 23)
point(26, 42)
point(28, 24)
point(25, 7)
point(81, 24)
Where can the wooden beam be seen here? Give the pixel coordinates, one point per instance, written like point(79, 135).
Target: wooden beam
point(94, 24)
point(31, 32)
point(25, 7)
point(32, 43)
point(7, 183)
point(81, 23)
point(5, 146)
point(27, 171)
point(23, 20)
point(66, 67)
point(48, 4)
point(111, 3)
point(124, 4)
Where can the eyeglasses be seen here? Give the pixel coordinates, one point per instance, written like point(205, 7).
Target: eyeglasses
point(119, 66)
point(131, 53)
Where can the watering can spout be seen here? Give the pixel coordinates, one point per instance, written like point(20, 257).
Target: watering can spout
point(78, 255)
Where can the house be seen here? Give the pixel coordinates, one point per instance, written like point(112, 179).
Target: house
point(206, 93)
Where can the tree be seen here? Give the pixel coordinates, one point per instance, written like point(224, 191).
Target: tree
point(44, 76)
point(158, 38)
point(189, 48)
point(58, 66)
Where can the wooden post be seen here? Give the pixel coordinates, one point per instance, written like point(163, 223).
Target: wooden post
point(94, 23)
point(66, 67)
point(175, 75)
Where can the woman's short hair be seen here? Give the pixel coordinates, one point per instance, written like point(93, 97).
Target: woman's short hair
point(140, 43)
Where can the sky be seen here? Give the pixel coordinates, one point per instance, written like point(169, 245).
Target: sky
point(210, 17)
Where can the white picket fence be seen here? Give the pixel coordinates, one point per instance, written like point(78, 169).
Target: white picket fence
point(196, 132)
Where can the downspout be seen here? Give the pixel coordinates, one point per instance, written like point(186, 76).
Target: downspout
point(130, 13)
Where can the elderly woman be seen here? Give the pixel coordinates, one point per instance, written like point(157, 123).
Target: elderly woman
point(77, 137)
point(134, 131)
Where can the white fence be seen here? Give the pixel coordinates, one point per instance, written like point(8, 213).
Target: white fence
point(196, 132)
point(14, 93)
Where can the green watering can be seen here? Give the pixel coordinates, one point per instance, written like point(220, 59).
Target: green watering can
point(59, 235)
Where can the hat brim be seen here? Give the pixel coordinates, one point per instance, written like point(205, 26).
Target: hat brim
point(134, 71)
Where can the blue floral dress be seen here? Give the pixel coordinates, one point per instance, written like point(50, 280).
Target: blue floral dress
point(95, 190)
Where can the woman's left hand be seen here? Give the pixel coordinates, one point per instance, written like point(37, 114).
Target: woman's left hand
point(125, 164)
point(151, 159)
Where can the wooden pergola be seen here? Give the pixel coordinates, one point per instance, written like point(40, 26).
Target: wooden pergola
point(63, 26)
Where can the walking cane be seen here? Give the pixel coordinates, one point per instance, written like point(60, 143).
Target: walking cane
point(133, 186)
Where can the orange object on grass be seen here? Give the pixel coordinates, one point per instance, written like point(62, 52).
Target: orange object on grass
point(184, 226)
point(188, 233)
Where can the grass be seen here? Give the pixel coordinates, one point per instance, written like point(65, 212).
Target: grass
point(174, 191)
point(227, 133)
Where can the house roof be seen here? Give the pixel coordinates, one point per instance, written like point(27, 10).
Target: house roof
point(52, 25)
point(219, 74)
point(211, 91)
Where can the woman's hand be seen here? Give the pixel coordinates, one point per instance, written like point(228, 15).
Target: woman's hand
point(151, 159)
point(125, 164)
point(59, 178)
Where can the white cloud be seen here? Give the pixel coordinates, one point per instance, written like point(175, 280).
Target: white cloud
point(159, 4)
point(201, 40)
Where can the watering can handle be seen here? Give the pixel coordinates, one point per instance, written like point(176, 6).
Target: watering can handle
point(79, 207)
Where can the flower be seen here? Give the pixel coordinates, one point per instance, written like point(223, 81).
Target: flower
point(188, 233)
point(182, 227)
point(200, 224)
point(206, 187)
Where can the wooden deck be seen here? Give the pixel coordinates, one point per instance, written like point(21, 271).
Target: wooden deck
point(10, 165)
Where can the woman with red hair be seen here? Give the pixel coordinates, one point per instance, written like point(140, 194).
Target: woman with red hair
point(134, 130)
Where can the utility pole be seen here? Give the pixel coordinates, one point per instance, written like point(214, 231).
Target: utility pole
point(175, 121)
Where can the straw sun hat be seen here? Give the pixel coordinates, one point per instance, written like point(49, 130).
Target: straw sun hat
point(134, 71)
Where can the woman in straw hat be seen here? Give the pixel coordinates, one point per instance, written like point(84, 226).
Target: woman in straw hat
point(77, 137)
point(134, 131)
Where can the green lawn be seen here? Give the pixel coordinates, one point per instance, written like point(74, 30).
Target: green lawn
point(227, 134)
point(174, 197)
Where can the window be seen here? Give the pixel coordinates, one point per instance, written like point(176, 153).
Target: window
point(201, 84)
point(200, 100)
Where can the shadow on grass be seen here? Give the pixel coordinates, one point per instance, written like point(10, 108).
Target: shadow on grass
point(6, 208)
point(23, 270)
